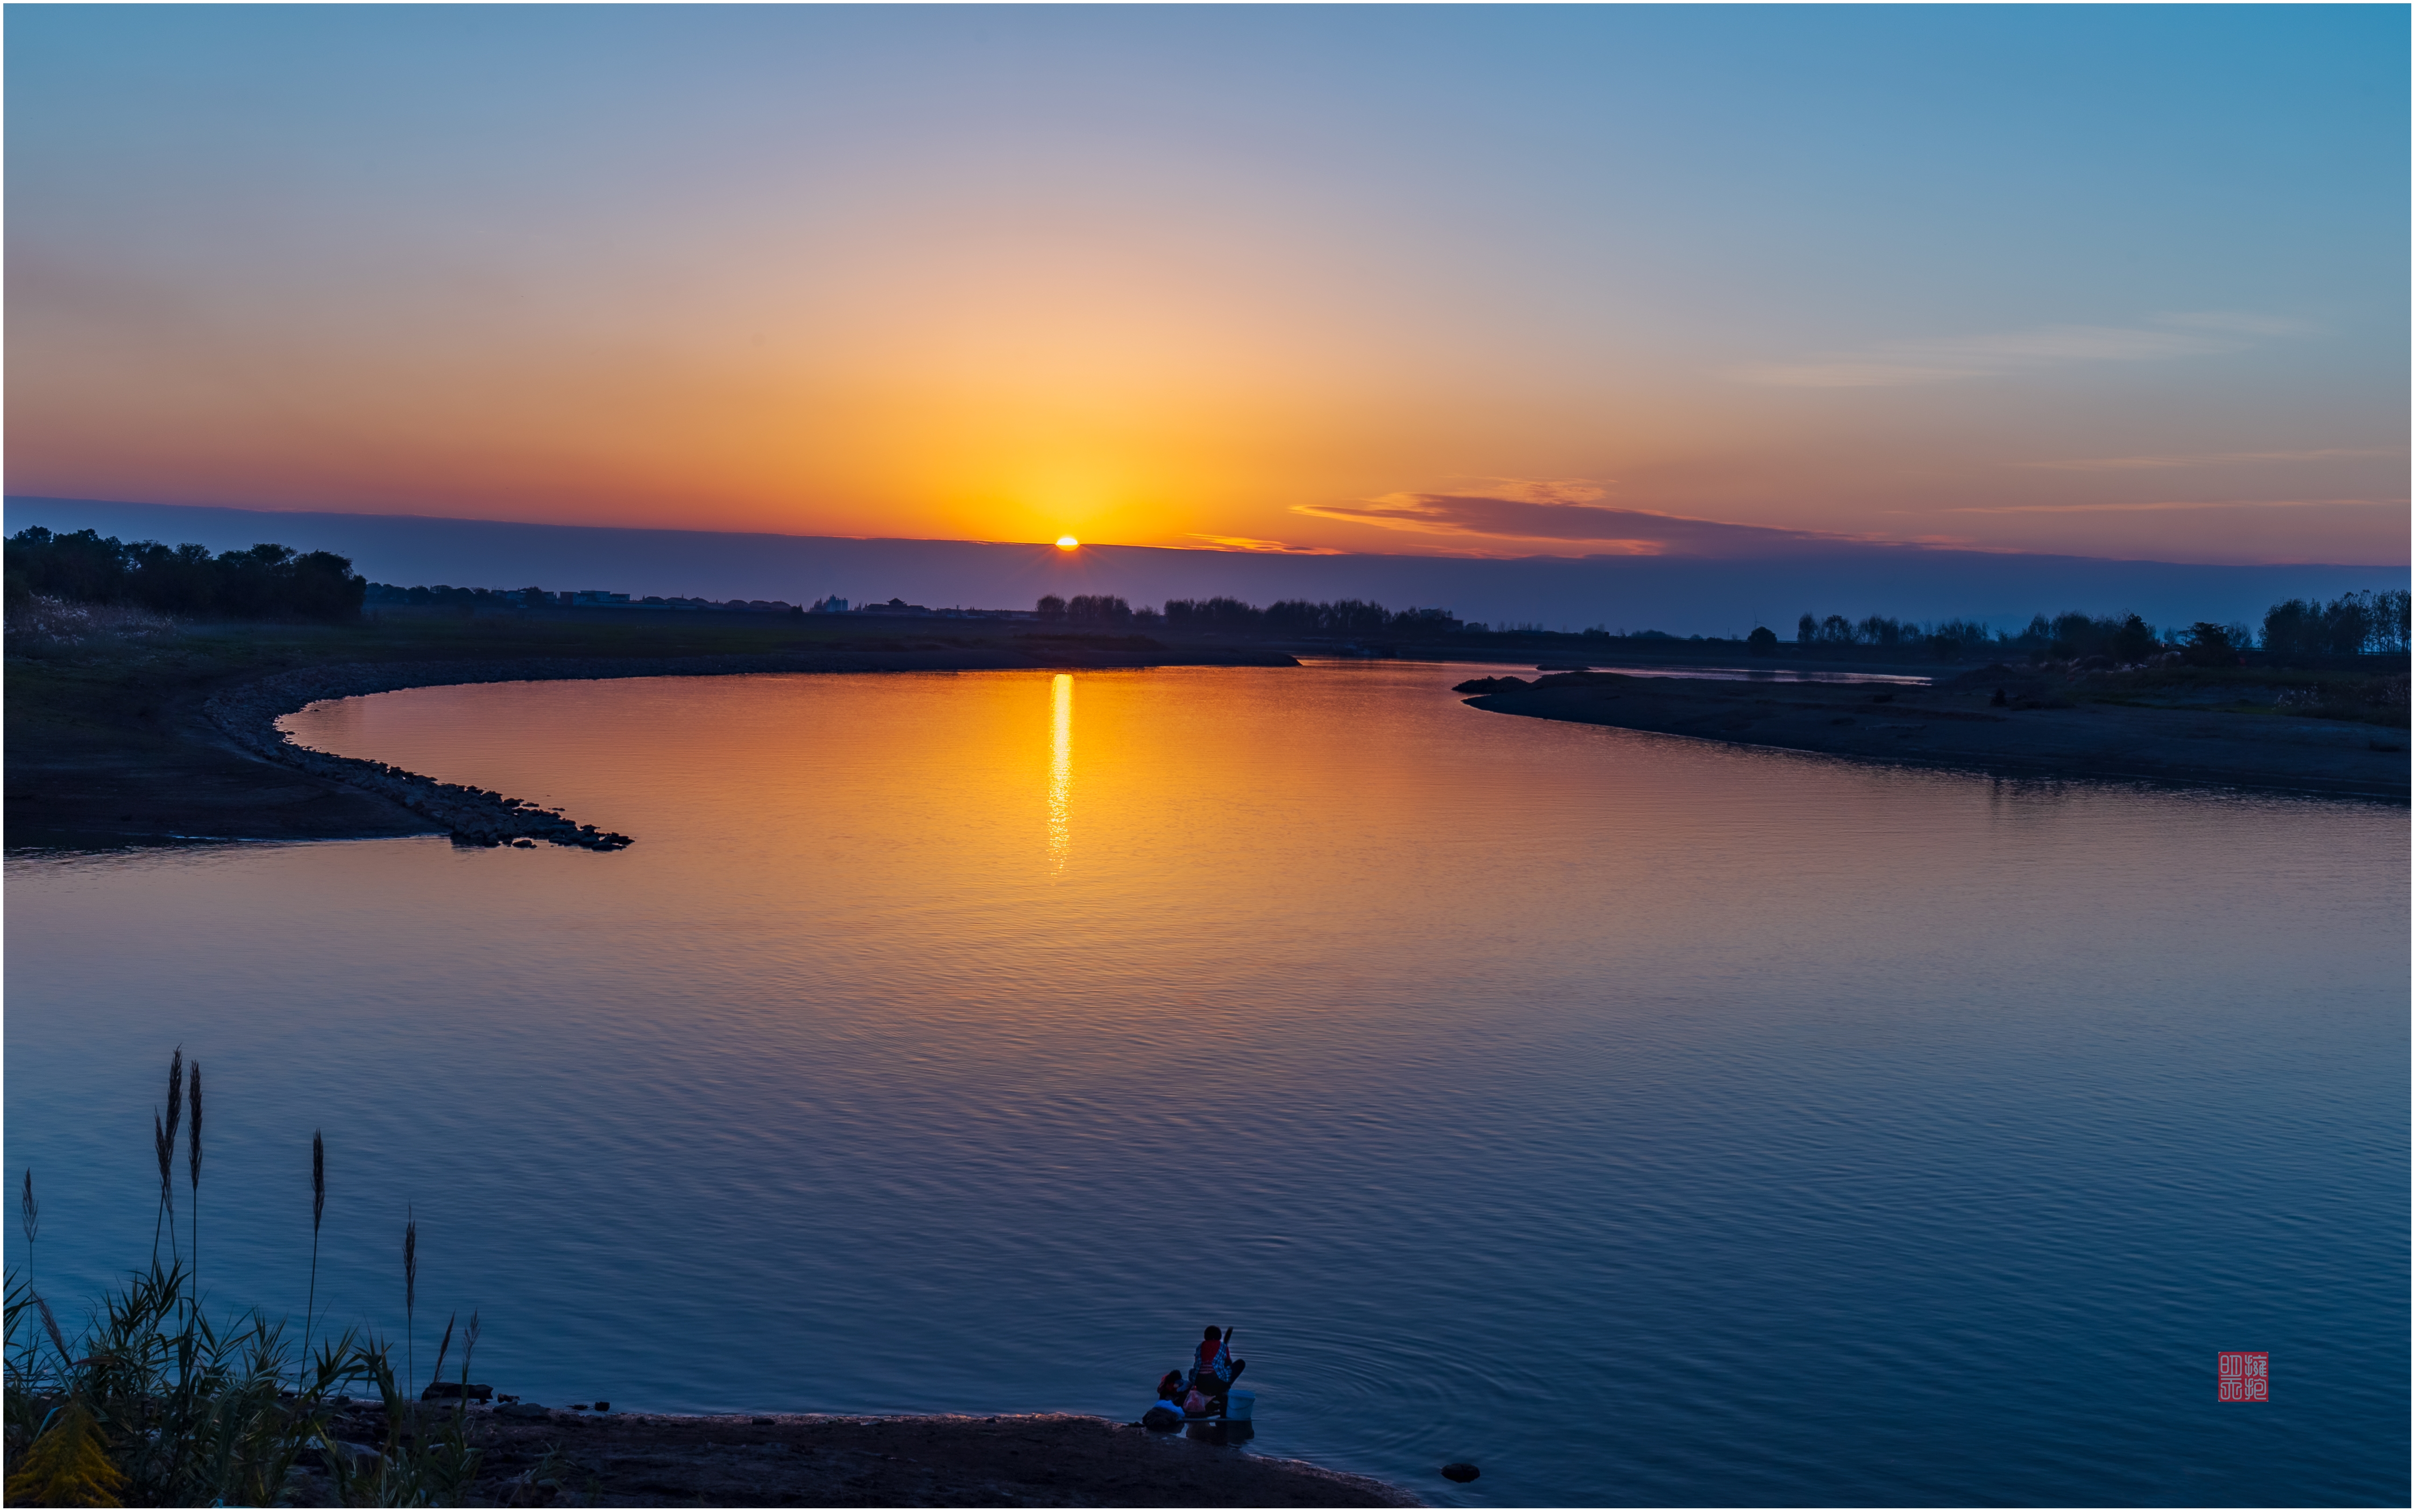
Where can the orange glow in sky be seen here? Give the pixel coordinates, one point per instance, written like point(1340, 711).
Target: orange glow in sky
point(1201, 278)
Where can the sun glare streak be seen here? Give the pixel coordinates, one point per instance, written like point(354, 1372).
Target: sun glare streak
point(1061, 775)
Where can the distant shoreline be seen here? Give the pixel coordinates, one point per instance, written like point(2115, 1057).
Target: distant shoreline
point(163, 734)
point(2047, 727)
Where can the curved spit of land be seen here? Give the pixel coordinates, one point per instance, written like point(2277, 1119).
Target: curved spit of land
point(477, 816)
point(144, 745)
point(247, 714)
point(2150, 726)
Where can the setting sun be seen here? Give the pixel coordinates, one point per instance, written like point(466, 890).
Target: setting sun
point(1066, 542)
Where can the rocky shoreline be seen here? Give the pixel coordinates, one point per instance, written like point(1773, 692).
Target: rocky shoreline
point(247, 715)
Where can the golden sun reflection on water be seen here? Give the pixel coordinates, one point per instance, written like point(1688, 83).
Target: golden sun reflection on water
point(1060, 772)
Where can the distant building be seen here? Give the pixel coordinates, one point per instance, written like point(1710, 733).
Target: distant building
point(832, 605)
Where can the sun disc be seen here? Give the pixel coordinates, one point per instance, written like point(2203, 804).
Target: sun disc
point(1066, 542)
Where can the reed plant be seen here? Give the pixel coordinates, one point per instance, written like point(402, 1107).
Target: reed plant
point(29, 1217)
point(163, 1143)
point(317, 1210)
point(410, 1292)
point(157, 1404)
point(193, 1166)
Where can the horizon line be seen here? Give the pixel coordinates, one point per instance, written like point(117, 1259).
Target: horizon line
point(1819, 550)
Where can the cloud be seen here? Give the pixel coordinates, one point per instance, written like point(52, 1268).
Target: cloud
point(1252, 544)
point(2242, 325)
point(2157, 505)
point(2118, 464)
point(1512, 509)
point(1946, 359)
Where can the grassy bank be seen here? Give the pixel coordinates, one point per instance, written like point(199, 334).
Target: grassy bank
point(2375, 693)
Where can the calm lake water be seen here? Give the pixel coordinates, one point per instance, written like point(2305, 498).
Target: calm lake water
point(1645, 1120)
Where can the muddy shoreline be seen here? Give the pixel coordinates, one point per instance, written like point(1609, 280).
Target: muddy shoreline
point(583, 1458)
point(2042, 728)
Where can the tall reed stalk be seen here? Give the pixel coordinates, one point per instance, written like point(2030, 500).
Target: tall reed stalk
point(29, 1213)
point(193, 1169)
point(163, 1143)
point(436, 1371)
point(317, 1210)
point(410, 1294)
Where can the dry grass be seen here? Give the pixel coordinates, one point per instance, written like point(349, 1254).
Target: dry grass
point(36, 621)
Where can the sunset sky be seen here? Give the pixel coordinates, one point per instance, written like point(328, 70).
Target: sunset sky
point(1705, 282)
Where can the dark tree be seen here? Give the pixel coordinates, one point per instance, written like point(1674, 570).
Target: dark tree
point(268, 581)
point(2210, 645)
point(2134, 641)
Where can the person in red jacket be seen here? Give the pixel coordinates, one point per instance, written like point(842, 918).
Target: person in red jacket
point(1213, 1370)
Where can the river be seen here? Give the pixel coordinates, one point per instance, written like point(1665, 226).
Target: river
point(1643, 1119)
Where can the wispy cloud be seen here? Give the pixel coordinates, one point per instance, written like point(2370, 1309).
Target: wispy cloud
point(1946, 359)
point(2125, 464)
point(2161, 506)
point(1523, 510)
point(1252, 544)
point(2238, 322)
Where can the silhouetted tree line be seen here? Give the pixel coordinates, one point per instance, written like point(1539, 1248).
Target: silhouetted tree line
point(1290, 617)
point(2352, 624)
point(1092, 609)
point(2349, 626)
point(1300, 616)
point(1944, 638)
point(268, 581)
point(475, 598)
point(2117, 637)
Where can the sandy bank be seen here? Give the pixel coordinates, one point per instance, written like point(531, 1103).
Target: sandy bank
point(2038, 732)
point(792, 1460)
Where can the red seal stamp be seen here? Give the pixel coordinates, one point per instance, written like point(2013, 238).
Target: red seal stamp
point(2242, 1376)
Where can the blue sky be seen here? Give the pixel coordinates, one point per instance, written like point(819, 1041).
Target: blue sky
point(2116, 281)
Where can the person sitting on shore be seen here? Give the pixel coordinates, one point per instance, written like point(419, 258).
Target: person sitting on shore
point(1213, 1370)
point(1167, 1415)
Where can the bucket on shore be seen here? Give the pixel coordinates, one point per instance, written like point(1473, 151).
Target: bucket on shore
point(1239, 1405)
